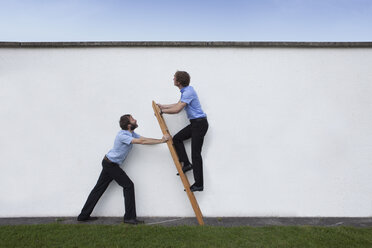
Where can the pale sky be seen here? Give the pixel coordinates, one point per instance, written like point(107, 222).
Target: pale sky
point(166, 20)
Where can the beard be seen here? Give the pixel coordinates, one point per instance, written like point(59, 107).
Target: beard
point(133, 126)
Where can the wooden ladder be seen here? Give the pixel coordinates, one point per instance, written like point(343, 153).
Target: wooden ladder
point(173, 152)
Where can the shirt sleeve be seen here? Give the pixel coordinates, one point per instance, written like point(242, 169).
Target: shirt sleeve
point(126, 139)
point(186, 97)
point(136, 135)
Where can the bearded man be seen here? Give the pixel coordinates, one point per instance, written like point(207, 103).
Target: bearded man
point(111, 170)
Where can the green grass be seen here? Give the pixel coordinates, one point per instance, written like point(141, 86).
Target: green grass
point(62, 235)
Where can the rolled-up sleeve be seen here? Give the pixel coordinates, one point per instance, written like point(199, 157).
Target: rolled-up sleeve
point(186, 97)
point(126, 139)
point(136, 135)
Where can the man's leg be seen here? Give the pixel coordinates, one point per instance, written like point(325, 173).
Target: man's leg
point(128, 190)
point(96, 193)
point(178, 139)
point(199, 129)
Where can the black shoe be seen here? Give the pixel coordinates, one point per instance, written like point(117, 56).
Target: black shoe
point(194, 188)
point(186, 168)
point(133, 222)
point(87, 218)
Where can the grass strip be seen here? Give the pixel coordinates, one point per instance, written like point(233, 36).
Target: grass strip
point(63, 235)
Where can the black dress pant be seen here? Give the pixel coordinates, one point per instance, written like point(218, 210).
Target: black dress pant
point(111, 171)
point(196, 131)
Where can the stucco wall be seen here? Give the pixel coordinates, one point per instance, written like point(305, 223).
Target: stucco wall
point(290, 129)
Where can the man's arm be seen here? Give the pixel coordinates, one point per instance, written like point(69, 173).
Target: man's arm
point(166, 106)
point(150, 141)
point(174, 109)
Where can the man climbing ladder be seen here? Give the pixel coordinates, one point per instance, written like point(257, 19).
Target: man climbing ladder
point(196, 130)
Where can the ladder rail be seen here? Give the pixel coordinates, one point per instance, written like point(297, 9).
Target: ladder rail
point(185, 181)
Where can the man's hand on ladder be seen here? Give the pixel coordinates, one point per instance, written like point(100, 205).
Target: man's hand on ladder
point(166, 137)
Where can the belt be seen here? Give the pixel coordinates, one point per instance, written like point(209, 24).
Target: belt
point(198, 119)
point(108, 160)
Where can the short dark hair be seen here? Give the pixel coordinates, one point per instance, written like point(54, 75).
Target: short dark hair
point(183, 78)
point(124, 121)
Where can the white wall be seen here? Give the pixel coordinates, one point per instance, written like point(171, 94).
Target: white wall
point(290, 129)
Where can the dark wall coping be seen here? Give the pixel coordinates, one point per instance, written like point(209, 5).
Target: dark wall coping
point(226, 44)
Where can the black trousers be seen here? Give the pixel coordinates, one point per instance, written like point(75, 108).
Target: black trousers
point(111, 171)
point(196, 131)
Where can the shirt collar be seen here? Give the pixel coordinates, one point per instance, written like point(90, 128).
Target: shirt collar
point(126, 131)
point(183, 89)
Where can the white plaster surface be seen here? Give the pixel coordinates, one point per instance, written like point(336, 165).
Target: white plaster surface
point(290, 129)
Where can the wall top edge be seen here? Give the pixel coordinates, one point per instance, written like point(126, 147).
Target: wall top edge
point(212, 44)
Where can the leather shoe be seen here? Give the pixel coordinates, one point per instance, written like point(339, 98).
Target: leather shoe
point(133, 222)
point(87, 218)
point(194, 188)
point(185, 168)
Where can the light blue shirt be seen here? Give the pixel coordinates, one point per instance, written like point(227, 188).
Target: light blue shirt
point(122, 146)
point(193, 107)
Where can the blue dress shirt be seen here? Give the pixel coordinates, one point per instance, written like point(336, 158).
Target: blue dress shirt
point(193, 107)
point(122, 146)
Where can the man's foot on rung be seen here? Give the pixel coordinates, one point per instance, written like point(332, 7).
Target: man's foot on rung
point(186, 168)
point(194, 188)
